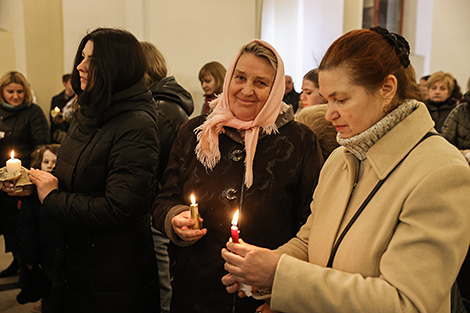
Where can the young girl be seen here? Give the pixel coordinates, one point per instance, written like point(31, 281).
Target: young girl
point(36, 239)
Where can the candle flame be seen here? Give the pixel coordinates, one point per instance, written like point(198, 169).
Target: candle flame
point(12, 154)
point(235, 218)
point(193, 199)
point(57, 109)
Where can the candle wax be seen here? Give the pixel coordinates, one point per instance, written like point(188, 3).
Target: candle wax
point(234, 231)
point(13, 165)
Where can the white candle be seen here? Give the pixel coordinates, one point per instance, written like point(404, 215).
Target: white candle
point(13, 165)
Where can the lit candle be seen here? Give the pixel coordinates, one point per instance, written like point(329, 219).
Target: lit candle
point(235, 238)
point(234, 229)
point(13, 165)
point(55, 112)
point(194, 209)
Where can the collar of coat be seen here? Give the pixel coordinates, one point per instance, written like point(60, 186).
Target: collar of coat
point(386, 153)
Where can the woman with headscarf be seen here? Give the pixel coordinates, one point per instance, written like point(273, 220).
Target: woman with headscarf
point(247, 154)
point(389, 225)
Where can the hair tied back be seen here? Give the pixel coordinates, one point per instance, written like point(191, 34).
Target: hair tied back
point(398, 42)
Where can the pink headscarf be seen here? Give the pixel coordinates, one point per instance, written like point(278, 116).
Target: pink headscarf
point(207, 148)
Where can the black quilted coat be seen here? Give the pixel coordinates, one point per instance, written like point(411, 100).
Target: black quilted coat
point(285, 172)
point(105, 262)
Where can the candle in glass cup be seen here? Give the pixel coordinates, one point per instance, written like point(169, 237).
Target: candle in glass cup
point(194, 209)
point(13, 165)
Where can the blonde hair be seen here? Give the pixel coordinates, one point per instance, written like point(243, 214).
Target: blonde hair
point(441, 76)
point(156, 67)
point(314, 117)
point(17, 78)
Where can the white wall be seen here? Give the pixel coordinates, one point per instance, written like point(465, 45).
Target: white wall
point(189, 33)
point(12, 20)
point(192, 33)
point(301, 31)
point(450, 47)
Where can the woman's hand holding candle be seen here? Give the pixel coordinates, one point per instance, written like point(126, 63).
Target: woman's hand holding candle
point(248, 264)
point(183, 226)
point(45, 182)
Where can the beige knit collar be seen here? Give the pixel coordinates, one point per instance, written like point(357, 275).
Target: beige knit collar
point(361, 143)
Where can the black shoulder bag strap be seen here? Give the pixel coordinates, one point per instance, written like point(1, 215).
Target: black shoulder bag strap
point(366, 201)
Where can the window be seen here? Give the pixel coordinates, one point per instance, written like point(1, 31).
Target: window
point(385, 13)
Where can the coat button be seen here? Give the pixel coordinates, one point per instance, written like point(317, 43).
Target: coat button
point(236, 155)
point(230, 194)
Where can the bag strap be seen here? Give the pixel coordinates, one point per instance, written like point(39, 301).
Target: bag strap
point(366, 201)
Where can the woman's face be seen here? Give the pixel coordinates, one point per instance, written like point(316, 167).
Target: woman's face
point(250, 86)
point(351, 109)
point(84, 66)
point(13, 94)
point(310, 95)
point(208, 85)
point(48, 161)
point(439, 91)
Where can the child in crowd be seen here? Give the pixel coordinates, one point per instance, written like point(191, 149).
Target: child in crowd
point(36, 239)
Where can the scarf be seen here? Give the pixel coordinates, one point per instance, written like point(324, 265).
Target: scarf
point(360, 144)
point(207, 134)
point(8, 106)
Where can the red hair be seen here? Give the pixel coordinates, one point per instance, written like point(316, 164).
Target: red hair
point(369, 57)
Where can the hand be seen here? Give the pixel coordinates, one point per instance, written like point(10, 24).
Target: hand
point(21, 191)
point(249, 264)
point(264, 308)
point(44, 181)
point(182, 225)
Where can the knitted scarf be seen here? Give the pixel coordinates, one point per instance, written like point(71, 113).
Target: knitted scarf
point(207, 148)
point(360, 144)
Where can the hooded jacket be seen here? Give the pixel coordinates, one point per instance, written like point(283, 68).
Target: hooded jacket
point(174, 106)
point(456, 128)
point(105, 261)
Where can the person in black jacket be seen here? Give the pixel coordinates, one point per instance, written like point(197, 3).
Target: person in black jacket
point(174, 106)
point(59, 126)
point(440, 103)
point(23, 127)
point(104, 183)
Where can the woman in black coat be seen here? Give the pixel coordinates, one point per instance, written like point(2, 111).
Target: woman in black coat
point(104, 184)
point(258, 160)
point(23, 127)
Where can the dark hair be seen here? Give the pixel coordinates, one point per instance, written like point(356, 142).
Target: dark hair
point(370, 57)
point(66, 77)
point(313, 77)
point(217, 71)
point(118, 62)
point(37, 155)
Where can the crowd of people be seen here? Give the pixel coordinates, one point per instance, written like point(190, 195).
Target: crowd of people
point(350, 196)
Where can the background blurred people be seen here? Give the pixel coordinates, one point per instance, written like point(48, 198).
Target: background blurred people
point(37, 239)
point(211, 76)
point(106, 174)
point(217, 165)
point(314, 117)
point(174, 106)
point(440, 103)
point(290, 95)
point(310, 95)
point(23, 127)
point(59, 126)
point(402, 247)
point(423, 87)
point(456, 130)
